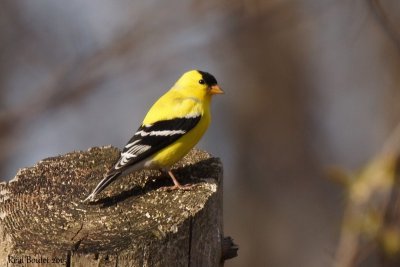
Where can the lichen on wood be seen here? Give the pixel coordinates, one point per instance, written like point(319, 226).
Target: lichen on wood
point(134, 220)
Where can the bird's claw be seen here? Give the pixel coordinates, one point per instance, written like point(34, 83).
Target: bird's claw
point(178, 187)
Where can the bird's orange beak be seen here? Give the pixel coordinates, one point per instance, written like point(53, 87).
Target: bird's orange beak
point(216, 90)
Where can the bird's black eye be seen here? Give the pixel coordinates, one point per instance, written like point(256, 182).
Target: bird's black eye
point(202, 81)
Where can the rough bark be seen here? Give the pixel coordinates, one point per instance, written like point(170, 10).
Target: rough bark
point(134, 222)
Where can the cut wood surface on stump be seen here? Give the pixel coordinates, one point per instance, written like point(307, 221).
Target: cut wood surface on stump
point(134, 222)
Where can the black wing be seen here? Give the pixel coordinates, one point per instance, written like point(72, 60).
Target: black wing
point(147, 140)
point(150, 139)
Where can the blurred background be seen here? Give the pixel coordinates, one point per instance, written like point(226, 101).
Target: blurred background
point(309, 84)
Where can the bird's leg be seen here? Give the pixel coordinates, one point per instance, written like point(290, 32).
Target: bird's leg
point(176, 185)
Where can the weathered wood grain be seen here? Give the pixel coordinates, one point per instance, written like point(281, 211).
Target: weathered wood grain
point(134, 222)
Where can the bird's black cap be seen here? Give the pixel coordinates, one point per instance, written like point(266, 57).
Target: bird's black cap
point(208, 78)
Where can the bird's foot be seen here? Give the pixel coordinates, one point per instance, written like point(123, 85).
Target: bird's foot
point(177, 187)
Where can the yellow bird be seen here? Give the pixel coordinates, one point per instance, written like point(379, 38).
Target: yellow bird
point(171, 128)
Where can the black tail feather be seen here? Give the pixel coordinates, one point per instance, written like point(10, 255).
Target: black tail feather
point(102, 185)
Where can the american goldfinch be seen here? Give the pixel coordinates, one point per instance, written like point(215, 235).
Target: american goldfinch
point(171, 128)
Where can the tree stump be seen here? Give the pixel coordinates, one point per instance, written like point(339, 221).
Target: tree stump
point(133, 223)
